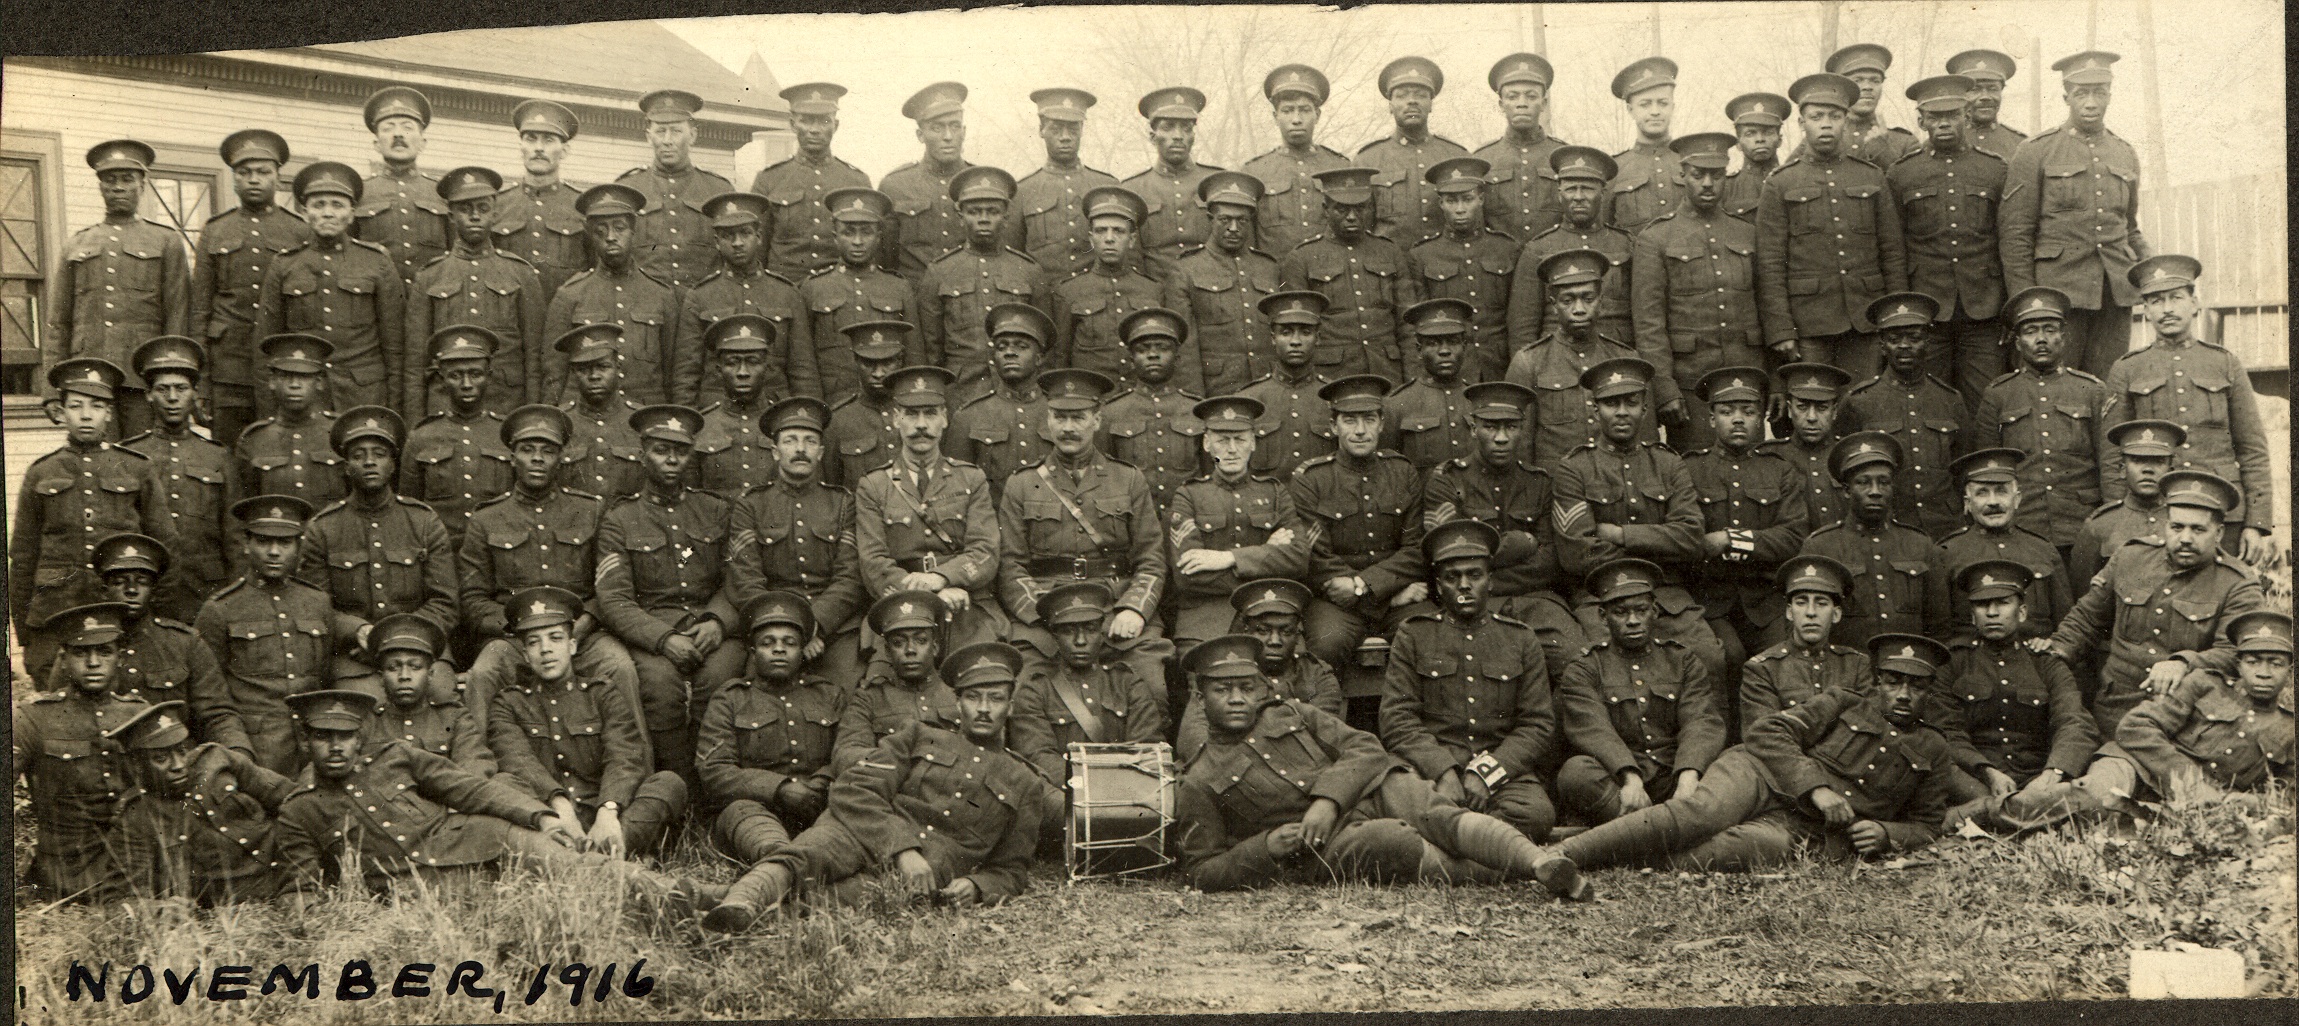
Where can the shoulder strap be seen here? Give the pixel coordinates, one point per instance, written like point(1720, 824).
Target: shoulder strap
point(1046, 474)
point(1088, 720)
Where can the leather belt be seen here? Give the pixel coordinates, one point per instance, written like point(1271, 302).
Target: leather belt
point(1081, 567)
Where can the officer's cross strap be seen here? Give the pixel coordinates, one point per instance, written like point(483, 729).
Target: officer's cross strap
point(1046, 474)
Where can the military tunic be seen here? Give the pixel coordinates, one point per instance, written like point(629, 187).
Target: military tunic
point(72, 499)
point(1742, 189)
point(1364, 519)
point(400, 210)
point(660, 563)
point(500, 293)
point(1828, 243)
point(1692, 292)
point(1234, 792)
point(543, 228)
point(999, 431)
point(1176, 221)
point(1564, 418)
point(796, 538)
point(1048, 221)
point(1454, 691)
point(1223, 294)
point(581, 739)
point(1405, 207)
point(516, 542)
point(274, 640)
point(349, 292)
point(839, 295)
point(212, 844)
point(1786, 676)
point(1649, 494)
point(275, 457)
point(74, 777)
point(1292, 203)
point(1307, 681)
point(1295, 426)
point(861, 438)
point(1648, 186)
point(925, 224)
point(2021, 712)
point(1521, 198)
point(1478, 270)
point(123, 282)
point(1088, 307)
point(2208, 728)
point(1995, 137)
point(955, 294)
point(1514, 501)
point(196, 477)
point(800, 238)
point(1899, 580)
point(1758, 492)
point(674, 236)
point(1530, 318)
point(1948, 217)
point(1928, 419)
point(2107, 529)
point(941, 520)
point(733, 454)
point(603, 457)
point(1238, 517)
point(2145, 612)
point(1052, 703)
point(1823, 498)
point(428, 814)
point(1428, 422)
point(757, 736)
point(644, 306)
point(1905, 787)
point(790, 361)
point(1153, 431)
point(2048, 596)
point(1366, 291)
point(1041, 545)
point(2203, 387)
point(882, 705)
point(1656, 712)
point(443, 725)
point(453, 465)
point(394, 558)
point(236, 247)
point(162, 660)
point(2070, 217)
point(2060, 421)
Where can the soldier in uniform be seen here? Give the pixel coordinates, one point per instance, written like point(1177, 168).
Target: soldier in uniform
point(2023, 718)
point(1149, 425)
point(1296, 425)
point(2070, 216)
point(1923, 413)
point(618, 291)
point(1812, 288)
point(926, 223)
point(795, 534)
point(1813, 393)
point(900, 686)
point(408, 651)
point(1360, 274)
point(742, 284)
point(1089, 307)
point(1269, 610)
point(1362, 505)
point(1573, 281)
point(1866, 137)
point(733, 453)
point(1847, 776)
point(1080, 515)
point(1284, 792)
point(1947, 190)
point(1649, 184)
point(1173, 220)
point(195, 472)
point(74, 774)
point(673, 232)
point(1521, 199)
point(1642, 714)
point(956, 290)
point(535, 218)
point(1225, 282)
point(1988, 71)
point(763, 749)
point(997, 431)
point(275, 635)
point(2196, 590)
point(797, 226)
point(1756, 120)
point(1427, 418)
point(236, 246)
point(1580, 172)
point(1495, 483)
point(475, 284)
point(1483, 755)
point(1692, 287)
point(1229, 524)
point(1405, 206)
point(1624, 496)
point(161, 659)
point(456, 459)
point(1753, 517)
point(1081, 695)
point(376, 552)
point(286, 453)
point(73, 498)
point(883, 812)
point(537, 533)
point(1992, 497)
point(924, 521)
point(399, 208)
point(854, 290)
point(1290, 207)
point(1901, 574)
point(2053, 414)
point(1809, 661)
point(345, 291)
point(602, 455)
point(862, 436)
point(195, 823)
point(1050, 215)
point(1469, 262)
point(2145, 448)
point(2182, 378)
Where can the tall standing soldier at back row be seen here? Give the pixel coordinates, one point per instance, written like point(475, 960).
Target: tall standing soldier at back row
point(799, 240)
point(958, 288)
point(236, 247)
point(125, 280)
point(473, 284)
point(1828, 239)
point(1865, 135)
point(1360, 274)
point(1522, 200)
point(535, 217)
point(1291, 207)
point(925, 222)
point(399, 207)
point(1405, 207)
point(674, 241)
point(1989, 71)
point(618, 291)
point(343, 290)
point(1648, 185)
point(194, 473)
point(1948, 190)
point(1224, 281)
point(1049, 219)
point(1168, 187)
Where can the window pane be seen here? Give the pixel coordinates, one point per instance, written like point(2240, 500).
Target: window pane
point(20, 251)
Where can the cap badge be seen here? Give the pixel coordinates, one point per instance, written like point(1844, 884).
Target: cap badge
point(372, 425)
point(336, 709)
point(1987, 580)
point(2157, 276)
point(1902, 310)
point(292, 354)
point(92, 624)
point(2263, 632)
point(1811, 570)
point(1906, 652)
point(2147, 435)
point(539, 608)
point(877, 336)
point(1865, 447)
point(1621, 581)
point(129, 550)
point(1617, 378)
point(1269, 596)
point(164, 722)
point(906, 609)
point(278, 513)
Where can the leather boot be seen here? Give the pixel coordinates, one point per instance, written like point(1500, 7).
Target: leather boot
point(761, 888)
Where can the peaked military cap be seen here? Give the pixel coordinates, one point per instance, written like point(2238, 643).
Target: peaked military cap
point(921, 385)
point(545, 116)
point(131, 552)
point(1297, 307)
point(324, 177)
point(536, 420)
point(367, 422)
point(1521, 67)
point(1825, 88)
point(272, 516)
point(982, 182)
point(584, 343)
point(1902, 310)
point(462, 342)
point(1153, 322)
point(1621, 578)
point(1586, 163)
point(1074, 388)
point(2164, 272)
point(334, 709)
point(92, 624)
point(735, 209)
point(546, 605)
point(1180, 102)
point(813, 97)
point(1231, 655)
point(1861, 448)
point(1296, 78)
point(2039, 302)
point(1019, 319)
point(253, 144)
point(297, 353)
point(2261, 630)
point(1983, 64)
point(982, 664)
point(396, 101)
point(1115, 200)
point(1459, 539)
point(1228, 412)
point(1941, 93)
point(1063, 104)
point(935, 101)
point(1357, 393)
point(1812, 572)
point(154, 727)
point(1444, 316)
point(783, 607)
point(1499, 400)
point(1993, 579)
point(2201, 489)
point(857, 203)
point(1621, 375)
point(610, 200)
point(1347, 184)
point(1419, 71)
point(798, 411)
point(2090, 67)
point(1731, 384)
point(469, 183)
point(667, 422)
point(1082, 602)
point(1270, 595)
point(406, 632)
point(1986, 465)
point(170, 353)
point(878, 340)
point(904, 609)
point(1235, 188)
point(2147, 437)
point(1819, 381)
point(1912, 654)
point(1573, 267)
point(1705, 149)
point(1649, 73)
point(667, 105)
point(740, 333)
point(1859, 57)
point(1458, 174)
point(1759, 109)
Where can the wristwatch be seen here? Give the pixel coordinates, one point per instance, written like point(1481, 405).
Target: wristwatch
point(610, 807)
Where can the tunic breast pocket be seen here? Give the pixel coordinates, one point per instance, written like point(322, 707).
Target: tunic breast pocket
point(2190, 625)
point(116, 495)
point(2214, 387)
point(1805, 214)
point(583, 741)
point(1859, 208)
point(1906, 581)
point(86, 764)
point(1114, 516)
point(299, 293)
point(358, 308)
point(2064, 187)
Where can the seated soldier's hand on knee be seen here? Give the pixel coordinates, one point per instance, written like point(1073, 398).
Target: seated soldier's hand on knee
point(958, 599)
point(1475, 796)
point(920, 581)
point(559, 832)
point(2163, 676)
point(607, 832)
point(917, 873)
point(681, 651)
point(812, 650)
point(708, 634)
point(1414, 592)
point(1127, 624)
point(794, 796)
point(2050, 777)
point(1687, 782)
point(1869, 838)
point(1343, 590)
point(1632, 793)
point(1317, 823)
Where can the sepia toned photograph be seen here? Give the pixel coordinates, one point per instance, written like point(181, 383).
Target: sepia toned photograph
point(1154, 510)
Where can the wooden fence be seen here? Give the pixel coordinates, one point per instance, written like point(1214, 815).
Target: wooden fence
point(2237, 227)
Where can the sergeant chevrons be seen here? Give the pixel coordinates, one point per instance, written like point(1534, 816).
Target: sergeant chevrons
point(1644, 489)
point(660, 563)
point(1692, 296)
point(1405, 207)
point(1948, 216)
point(1364, 519)
point(124, 281)
point(1176, 222)
point(236, 247)
point(799, 235)
point(1656, 711)
point(1236, 517)
point(2107, 529)
point(1759, 492)
point(1087, 308)
point(644, 306)
point(349, 292)
point(1235, 791)
point(1521, 191)
point(1040, 542)
point(955, 293)
point(1786, 676)
point(1366, 291)
point(602, 458)
point(400, 210)
point(1295, 424)
point(2057, 419)
point(1292, 203)
point(883, 705)
point(1828, 243)
point(273, 640)
point(2048, 596)
point(790, 361)
point(1478, 270)
point(198, 488)
point(925, 224)
point(839, 295)
point(276, 457)
point(426, 813)
point(213, 843)
point(1454, 691)
point(1648, 186)
point(733, 454)
point(75, 777)
point(674, 238)
point(1048, 221)
point(861, 438)
point(503, 294)
point(1823, 499)
point(1125, 708)
point(1564, 418)
point(1529, 315)
point(2206, 725)
point(2204, 388)
point(1223, 292)
point(1899, 579)
point(1514, 500)
point(2143, 612)
point(542, 227)
point(581, 739)
point(2070, 217)
point(515, 541)
point(2021, 712)
point(936, 519)
point(376, 561)
point(453, 465)
point(70, 500)
point(758, 735)
point(800, 538)
point(162, 660)
point(999, 431)
point(1428, 422)
point(1154, 431)
point(1928, 419)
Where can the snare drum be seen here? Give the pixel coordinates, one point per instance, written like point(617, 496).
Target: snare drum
point(1121, 804)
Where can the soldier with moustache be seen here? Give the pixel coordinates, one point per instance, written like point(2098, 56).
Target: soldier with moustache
point(1809, 660)
point(399, 208)
point(862, 436)
point(733, 452)
point(275, 635)
point(927, 522)
point(1813, 394)
point(474, 284)
point(195, 472)
point(1923, 413)
point(1756, 120)
point(74, 775)
point(601, 455)
point(1296, 424)
point(795, 534)
point(618, 291)
point(376, 552)
point(853, 290)
point(1989, 72)
point(1754, 517)
point(161, 659)
point(1813, 288)
point(1225, 281)
point(1426, 419)
point(2146, 448)
point(957, 289)
point(1642, 713)
point(998, 430)
point(1648, 184)
point(456, 459)
point(1149, 425)
point(535, 217)
point(195, 824)
point(227, 276)
point(1901, 574)
point(1360, 274)
point(1692, 287)
point(673, 231)
point(1948, 190)
point(1270, 611)
point(1229, 524)
point(1050, 212)
point(1992, 497)
point(742, 284)
point(1405, 209)
point(2056, 416)
point(1552, 367)
point(1090, 307)
point(925, 222)
point(1495, 483)
point(1521, 200)
point(1290, 207)
point(1172, 221)
point(763, 748)
point(796, 227)
point(287, 453)
point(348, 292)
point(1581, 173)
point(1468, 262)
